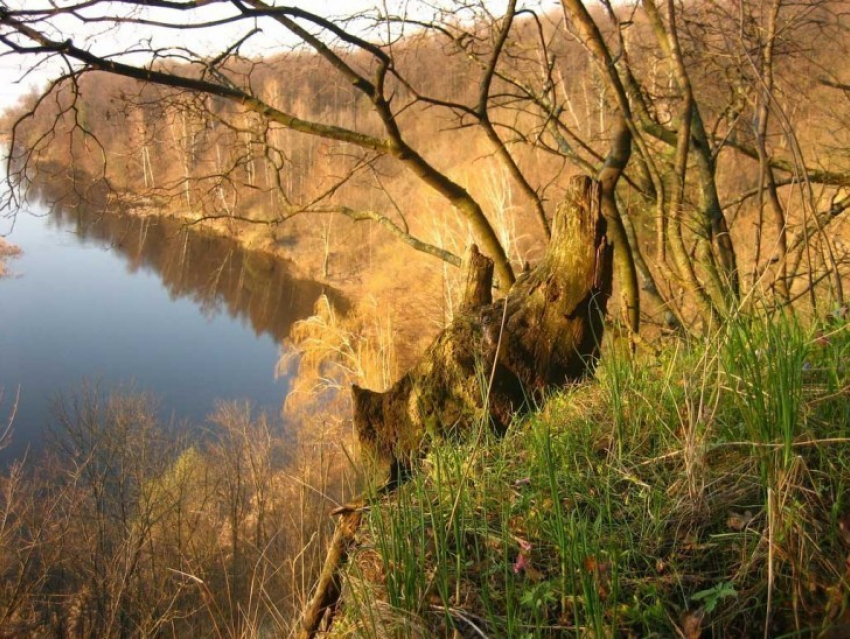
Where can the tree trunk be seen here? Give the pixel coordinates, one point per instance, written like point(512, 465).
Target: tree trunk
point(497, 358)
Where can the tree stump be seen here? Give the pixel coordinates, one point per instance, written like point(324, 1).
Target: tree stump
point(497, 358)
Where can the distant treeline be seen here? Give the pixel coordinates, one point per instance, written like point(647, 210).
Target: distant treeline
point(147, 148)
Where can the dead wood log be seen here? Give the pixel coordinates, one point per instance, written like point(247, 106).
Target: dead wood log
point(321, 605)
point(478, 291)
point(497, 358)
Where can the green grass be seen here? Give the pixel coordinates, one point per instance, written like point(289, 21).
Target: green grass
point(704, 487)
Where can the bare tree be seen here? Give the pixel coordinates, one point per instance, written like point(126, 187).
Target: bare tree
point(700, 89)
point(366, 66)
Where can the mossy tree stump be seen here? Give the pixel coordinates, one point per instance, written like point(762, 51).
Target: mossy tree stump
point(497, 358)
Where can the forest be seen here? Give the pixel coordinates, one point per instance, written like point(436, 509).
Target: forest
point(695, 486)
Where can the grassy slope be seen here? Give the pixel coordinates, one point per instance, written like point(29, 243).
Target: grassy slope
point(703, 490)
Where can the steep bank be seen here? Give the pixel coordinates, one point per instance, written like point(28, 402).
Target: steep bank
point(698, 492)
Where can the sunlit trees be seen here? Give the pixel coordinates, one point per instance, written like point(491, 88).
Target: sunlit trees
point(718, 132)
point(710, 95)
point(720, 102)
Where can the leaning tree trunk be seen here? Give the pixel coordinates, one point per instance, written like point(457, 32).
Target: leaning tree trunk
point(496, 358)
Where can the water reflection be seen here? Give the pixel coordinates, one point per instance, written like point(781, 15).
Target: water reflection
point(214, 272)
point(189, 317)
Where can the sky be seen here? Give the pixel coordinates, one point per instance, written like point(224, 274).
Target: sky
point(13, 68)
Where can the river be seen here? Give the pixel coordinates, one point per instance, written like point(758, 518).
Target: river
point(141, 304)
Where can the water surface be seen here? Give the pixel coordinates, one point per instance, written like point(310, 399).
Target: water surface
point(188, 317)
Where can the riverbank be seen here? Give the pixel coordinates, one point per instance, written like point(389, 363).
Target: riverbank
point(389, 286)
point(180, 335)
point(698, 492)
point(8, 251)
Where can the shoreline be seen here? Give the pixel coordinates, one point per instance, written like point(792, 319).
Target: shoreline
point(300, 255)
point(360, 285)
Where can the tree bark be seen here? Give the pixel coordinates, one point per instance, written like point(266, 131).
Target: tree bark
point(609, 175)
point(478, 290)
point(329, 586)
point(498, 358)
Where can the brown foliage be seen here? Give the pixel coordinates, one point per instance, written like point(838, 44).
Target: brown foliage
point(7, 251)
point(125, 529)
point(768, 101)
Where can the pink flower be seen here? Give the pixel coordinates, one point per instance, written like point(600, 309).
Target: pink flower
point(520, 564)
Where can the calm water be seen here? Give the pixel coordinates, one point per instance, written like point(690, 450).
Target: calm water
point(144, 303)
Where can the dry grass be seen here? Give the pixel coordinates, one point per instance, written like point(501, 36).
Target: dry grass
point(127, 528)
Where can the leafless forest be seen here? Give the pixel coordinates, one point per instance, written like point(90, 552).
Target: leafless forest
point(501, 110)
point(373, 151)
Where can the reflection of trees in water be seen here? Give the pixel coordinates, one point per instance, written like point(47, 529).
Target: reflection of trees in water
point(214, 272)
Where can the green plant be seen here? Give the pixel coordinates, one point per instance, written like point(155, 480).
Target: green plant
point(714, 595)
point(608, 508)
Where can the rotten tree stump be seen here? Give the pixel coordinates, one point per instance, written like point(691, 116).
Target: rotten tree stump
point(497, 358)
